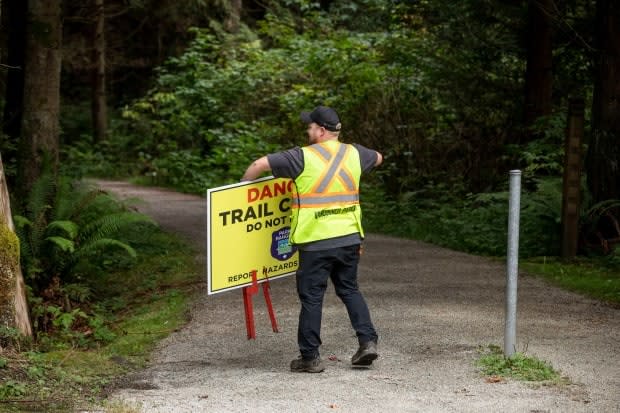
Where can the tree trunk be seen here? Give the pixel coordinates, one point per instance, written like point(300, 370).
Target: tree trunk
point(233, 20)
point(538, 75)
point(603, 164)
point(13, 305)
point(571, 191)
point(15, 20)
point(99, 106)
point(40, 128)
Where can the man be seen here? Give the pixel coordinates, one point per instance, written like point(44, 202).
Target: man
point(326, 227)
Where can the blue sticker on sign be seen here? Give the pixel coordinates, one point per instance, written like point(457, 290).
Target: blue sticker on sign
point(280, 247)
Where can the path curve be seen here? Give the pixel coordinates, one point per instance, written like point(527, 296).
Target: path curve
point(433, 309)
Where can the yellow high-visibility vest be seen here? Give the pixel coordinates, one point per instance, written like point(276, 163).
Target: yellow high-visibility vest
point(326, 201)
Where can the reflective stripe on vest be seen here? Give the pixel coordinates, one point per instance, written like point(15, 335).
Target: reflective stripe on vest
point(334, 168)
point(326, 202)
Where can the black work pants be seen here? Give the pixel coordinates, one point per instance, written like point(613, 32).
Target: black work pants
point(315, 267)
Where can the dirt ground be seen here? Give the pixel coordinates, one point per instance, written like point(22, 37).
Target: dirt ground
point(433, 308)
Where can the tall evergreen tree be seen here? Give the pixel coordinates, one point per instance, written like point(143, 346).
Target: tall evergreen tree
point(603, 164)
point(233, 19)
point(15, 26)
point(538, 75)
point(99, 100)
point(41, 107)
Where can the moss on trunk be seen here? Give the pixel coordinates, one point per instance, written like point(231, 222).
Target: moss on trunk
point(9, 261)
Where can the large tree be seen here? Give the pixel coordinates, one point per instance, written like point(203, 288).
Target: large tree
point(538, 75)
point(99, 100)
point(41, 105)
point(603, 165)
point(14, 21)
point(233, 19)
point(13, 304)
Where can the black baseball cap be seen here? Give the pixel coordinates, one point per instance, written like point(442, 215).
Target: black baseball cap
point(323, 116)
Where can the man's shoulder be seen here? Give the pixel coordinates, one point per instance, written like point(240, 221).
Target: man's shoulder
point(295, 152)
point(286, 163)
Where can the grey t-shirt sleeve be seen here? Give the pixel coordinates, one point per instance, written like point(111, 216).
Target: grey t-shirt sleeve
point(286, 164)
point(368, 157)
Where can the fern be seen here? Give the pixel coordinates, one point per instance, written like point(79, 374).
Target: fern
point(110, 224)
point(89, 199)
point(21, 229)
point(65, 223)
point(68, 227)
point(102, 244)
point(37, 230)
point(41, 195)
point(599, 209)
point(32, 224)
point(64, 244)
point(77, 292)
point(21, 222)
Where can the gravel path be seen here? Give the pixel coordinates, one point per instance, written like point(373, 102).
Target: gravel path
point(433, 308)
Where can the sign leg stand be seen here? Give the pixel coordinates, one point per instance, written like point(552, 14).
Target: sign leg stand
point(249, 313)
point(272, 315)
point(248, 292)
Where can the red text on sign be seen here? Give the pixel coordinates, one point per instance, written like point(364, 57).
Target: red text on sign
point(278, 188)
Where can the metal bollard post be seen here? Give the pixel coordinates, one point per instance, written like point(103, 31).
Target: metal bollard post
point(510, 333)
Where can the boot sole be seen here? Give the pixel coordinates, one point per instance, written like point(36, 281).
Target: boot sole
point(308, 370)
point(365, 360)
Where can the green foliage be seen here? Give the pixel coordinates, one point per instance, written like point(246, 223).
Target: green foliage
point(597, 278)
point(117, 314)
point(543, 156)
point(11, 338)
point(435, 86)
point(231, 98)
point(613, 259)
point(518, 366)
point(64, 224)
point(438, 104)
point(187, 136)
point(599, 226)
point(8, 150)
point(66, 317)
point(11, 388)
point(69, 235)
point(85, 159)
point(477, 223)
point(69, 329)
point(367, 15)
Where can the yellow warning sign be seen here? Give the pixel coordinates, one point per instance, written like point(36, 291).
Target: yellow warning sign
point(248, 229)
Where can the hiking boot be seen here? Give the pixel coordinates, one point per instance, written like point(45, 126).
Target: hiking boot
point(365, 355)
point(308, 366)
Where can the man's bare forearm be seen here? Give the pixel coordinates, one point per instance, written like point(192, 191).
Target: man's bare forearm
point(256, 168)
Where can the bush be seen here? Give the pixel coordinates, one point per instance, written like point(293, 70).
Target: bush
point(231, 98)
point(68, 234)
point(475, 223)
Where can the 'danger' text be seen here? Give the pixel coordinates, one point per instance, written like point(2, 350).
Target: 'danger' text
point(278, 188)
